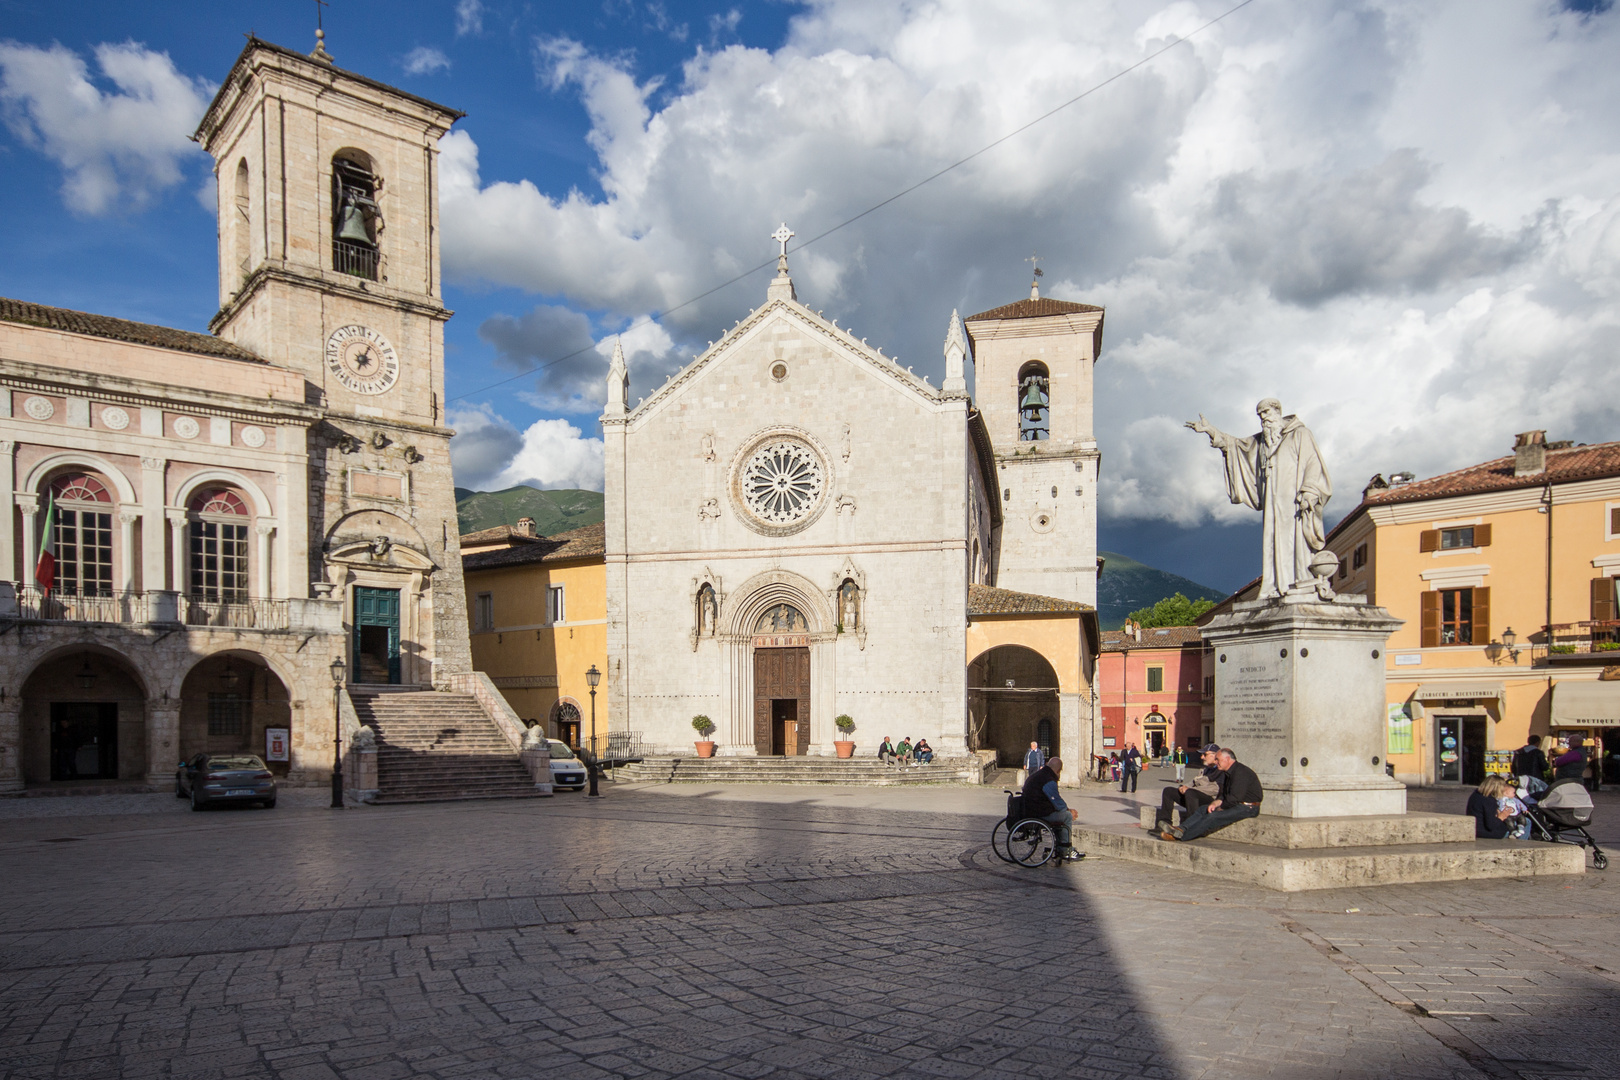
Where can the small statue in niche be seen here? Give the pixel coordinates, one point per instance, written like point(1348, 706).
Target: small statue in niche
point(708, 611)
point(849, 596)
point(844, 443)
point(708, 447)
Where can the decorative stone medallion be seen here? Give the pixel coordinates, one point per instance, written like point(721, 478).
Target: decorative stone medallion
point(115, 418)
point(39, 408)
point(361, 359)
point(187, 427)
point(253, 436)
point(780, 483)
point(1043, 521)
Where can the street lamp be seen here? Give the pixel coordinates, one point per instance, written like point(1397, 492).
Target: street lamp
point(86, 678)
point(337, 733)
point(592, 678)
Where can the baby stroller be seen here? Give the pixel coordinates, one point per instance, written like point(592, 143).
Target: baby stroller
point(1561, 814)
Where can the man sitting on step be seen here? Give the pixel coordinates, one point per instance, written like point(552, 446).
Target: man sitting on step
point(1239, 798)
point(1200, 792)
point(1041, 800)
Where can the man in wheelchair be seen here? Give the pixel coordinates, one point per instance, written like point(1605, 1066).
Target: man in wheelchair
point(1041, 800)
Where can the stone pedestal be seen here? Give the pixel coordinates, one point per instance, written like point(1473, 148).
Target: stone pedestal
point(1299, 695)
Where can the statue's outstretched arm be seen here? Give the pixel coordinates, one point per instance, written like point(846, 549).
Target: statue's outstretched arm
point(1204, 427)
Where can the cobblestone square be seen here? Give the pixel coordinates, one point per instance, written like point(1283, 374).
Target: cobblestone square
point(698, 932)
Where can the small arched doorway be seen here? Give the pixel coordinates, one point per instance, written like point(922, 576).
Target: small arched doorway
point(1012, 702)
point(232, 703)
point(83, 718)
point(781, 682)
point(565, 721)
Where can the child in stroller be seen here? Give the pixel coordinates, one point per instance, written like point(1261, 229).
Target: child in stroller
point(1561, 814)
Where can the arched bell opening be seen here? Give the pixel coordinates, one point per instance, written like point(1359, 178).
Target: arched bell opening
point(1012, 702)
point(83, 719)
point(232, 703)
point(357, 222)
point(1034, 402)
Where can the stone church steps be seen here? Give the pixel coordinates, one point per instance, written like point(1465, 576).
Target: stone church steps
point(795, 770)
point(437, 747)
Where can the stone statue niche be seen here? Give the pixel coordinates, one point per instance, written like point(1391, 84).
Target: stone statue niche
point(849, 607)
point(708, 611)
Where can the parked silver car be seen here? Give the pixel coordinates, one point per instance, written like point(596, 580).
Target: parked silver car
point(225, 778)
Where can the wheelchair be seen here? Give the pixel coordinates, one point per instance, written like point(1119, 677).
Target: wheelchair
point(1026, 841)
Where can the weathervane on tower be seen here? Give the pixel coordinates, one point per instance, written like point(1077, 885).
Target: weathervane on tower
point(320, 52)
point(1035, 281)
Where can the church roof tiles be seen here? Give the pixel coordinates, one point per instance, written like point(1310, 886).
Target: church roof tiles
point(105, 326)
point(1034, 309)
point(987, 600)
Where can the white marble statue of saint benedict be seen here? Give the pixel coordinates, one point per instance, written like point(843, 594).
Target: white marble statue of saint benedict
point(1278, 471)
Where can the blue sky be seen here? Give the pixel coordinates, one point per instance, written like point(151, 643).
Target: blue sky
point(1403, 220)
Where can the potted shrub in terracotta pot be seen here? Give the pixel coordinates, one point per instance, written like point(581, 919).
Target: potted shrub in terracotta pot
point(845, 746)
point(703, 726)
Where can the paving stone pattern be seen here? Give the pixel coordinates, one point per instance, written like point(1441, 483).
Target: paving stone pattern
point(766, 933)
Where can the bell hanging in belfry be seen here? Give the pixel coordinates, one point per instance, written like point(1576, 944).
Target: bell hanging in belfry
point(352, 226)
point(1033, 401)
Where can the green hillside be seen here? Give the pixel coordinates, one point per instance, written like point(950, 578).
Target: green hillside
point(553, 511)
point(1126, 585)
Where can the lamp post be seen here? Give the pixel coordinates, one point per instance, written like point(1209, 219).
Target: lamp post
point(592, 678)
point(337, 733)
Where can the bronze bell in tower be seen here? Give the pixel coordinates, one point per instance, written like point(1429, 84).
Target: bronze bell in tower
point(352, 223)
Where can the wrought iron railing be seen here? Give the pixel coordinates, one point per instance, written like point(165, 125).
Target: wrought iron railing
point(244, 614)
point(1590, 640)
point(110, 607)
point(355, 259)
point(613, 746)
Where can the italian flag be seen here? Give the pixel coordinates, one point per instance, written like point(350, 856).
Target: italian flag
point(45, 570)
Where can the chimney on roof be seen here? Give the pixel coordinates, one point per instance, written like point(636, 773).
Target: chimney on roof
point(1530, 453)
point(526, 527)
point(1377, 483)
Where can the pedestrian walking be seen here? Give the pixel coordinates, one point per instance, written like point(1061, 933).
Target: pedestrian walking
point(1034, 759)
point(1130, 767)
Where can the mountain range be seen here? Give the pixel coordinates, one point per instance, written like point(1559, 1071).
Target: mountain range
point(1125, 586)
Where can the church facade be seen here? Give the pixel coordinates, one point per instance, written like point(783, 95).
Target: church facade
point(799, 528)
point(230, 513)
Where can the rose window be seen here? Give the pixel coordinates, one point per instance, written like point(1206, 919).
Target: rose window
point(781, 482)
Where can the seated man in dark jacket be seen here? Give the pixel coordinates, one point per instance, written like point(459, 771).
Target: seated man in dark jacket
point(1239, 798)
point(1200, 791)
point(1041, 800)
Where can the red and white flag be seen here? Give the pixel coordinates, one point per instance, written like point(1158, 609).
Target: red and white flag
point(45, 569)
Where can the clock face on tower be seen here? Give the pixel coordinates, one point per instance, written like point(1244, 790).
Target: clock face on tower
point(361, 359)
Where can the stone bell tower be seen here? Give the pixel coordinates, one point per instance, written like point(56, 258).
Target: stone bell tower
point(329, 265)
point(1033, 385)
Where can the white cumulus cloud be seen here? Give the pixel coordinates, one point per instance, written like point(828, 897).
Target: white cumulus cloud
point(490, 453)
point(1400, 219)
point(116, 147)
point(425, 60)
point(469, 17)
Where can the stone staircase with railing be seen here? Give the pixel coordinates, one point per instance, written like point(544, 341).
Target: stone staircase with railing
point(434, 746)
point(800, 770)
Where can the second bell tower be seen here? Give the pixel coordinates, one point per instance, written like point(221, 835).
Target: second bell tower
point(1033, 364)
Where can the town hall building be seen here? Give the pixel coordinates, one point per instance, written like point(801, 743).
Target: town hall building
point(800, 528)
point(241, 519)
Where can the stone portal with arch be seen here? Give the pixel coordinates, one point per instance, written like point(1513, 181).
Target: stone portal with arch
point(779, 640)
point(377, 563)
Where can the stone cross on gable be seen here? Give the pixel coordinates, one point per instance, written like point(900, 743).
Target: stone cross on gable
point(782, 235)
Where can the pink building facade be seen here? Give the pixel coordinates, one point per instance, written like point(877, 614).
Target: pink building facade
point(1151, 689)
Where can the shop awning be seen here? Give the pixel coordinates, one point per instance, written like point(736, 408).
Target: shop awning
point(1458, 691)
point(1586, 704)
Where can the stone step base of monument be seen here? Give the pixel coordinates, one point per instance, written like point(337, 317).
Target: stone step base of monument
point(1305, 869)
point(1376, 830)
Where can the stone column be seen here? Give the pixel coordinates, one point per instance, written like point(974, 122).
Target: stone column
point(265, 529)
point(127, 516)
point(1073, 745)
point(29, 505)
point(153, 570)
point(11, 742)
point(177, 561)
point(162, 739)
point(8, 488)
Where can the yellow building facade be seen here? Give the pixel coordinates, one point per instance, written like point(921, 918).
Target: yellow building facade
point(1505, 575)
point(537, 606)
